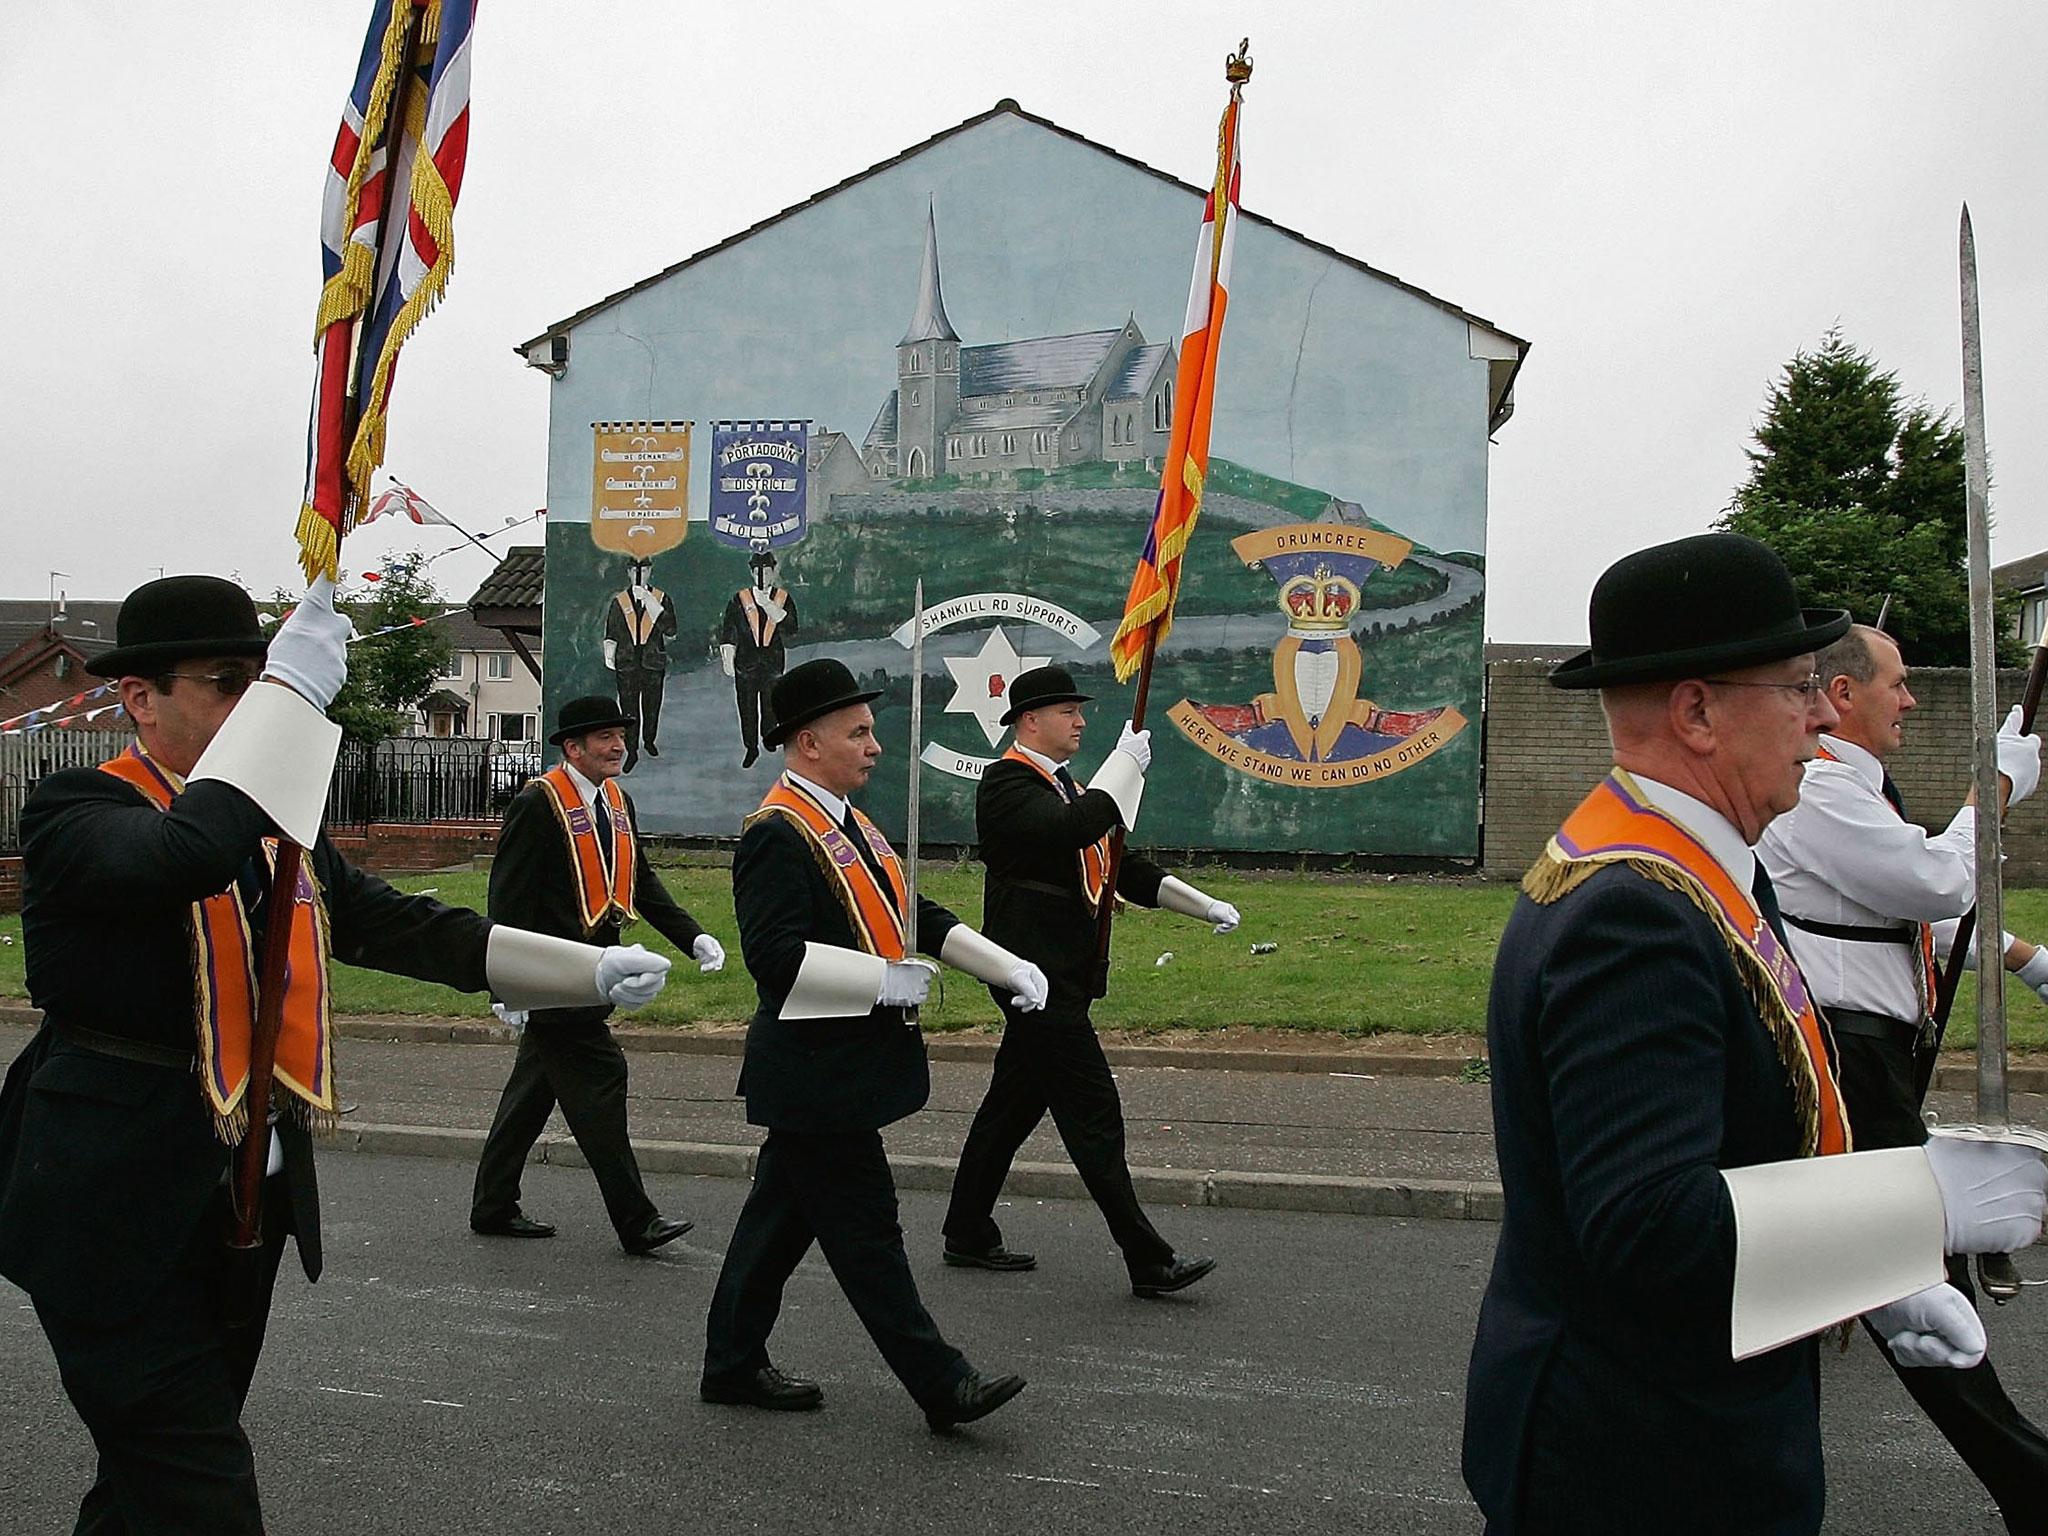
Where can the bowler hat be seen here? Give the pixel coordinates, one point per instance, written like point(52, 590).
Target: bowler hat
point(810, 692)
point(1695, 606)
point(761, 557)
point(1039, 687)
point(592, 712)
point(176, 618)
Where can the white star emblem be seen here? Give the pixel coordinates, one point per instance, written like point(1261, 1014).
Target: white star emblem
point(982, 681)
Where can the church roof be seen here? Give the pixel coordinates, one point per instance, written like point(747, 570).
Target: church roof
point(1012, 418)
point(1136, 373)
point(1041, 362)
point(1501, 404)
point(883, 433)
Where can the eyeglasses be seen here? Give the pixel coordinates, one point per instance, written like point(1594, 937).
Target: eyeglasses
point(231, 684)
point(1807, 687)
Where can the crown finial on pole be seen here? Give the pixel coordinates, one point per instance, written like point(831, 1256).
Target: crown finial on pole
point(1237, 69)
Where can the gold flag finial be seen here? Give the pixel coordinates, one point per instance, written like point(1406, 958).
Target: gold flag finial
point(1237, 69)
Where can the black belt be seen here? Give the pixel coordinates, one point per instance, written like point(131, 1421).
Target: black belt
point(1853, 934)
point(1872, 1026)
point(125, 1049)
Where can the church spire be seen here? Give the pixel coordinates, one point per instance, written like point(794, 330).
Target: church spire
point(930, 322)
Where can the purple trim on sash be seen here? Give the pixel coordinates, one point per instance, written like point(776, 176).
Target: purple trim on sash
point(220, 1083)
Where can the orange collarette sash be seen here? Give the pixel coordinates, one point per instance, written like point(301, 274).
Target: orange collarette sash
point(1925, 947)
point(876, 912)
point(1095, 857)
point(1616, 824)
point(603, 884)
point(224, 979)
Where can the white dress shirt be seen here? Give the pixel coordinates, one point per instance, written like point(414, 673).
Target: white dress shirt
point(1041, 759)
point(835, 805)
point(584, 787)
point(1714, 832)
point(1843, 855)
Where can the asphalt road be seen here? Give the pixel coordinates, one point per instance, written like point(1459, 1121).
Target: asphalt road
point(437, 1381)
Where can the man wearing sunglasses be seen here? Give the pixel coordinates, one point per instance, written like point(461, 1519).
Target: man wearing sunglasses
point(146, 894)
point(1865, 894)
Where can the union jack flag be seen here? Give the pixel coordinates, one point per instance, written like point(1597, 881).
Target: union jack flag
point(385, 255)
point(1155, 584)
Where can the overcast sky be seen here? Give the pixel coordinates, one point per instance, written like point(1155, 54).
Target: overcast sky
point(1665, 201)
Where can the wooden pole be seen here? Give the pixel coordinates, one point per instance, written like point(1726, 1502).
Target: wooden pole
point(252, 1157)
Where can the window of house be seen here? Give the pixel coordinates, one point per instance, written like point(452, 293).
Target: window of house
point(454, 667)
point(500, 665)
point(2033, 615)
point(511, 727)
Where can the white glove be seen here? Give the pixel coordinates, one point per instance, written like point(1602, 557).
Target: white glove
point(725, 659)
point(1223, 915)
point(1993, 1193)
point(309, 652)
point(631, 975)
point(611, 655)
point(1934, 1327)
point(643, 597)
point(1137, 746)
point(772, 608)
point(906, 983)
point(2035, 973)
point(1030, 986)
point(515, 1017)
point(708, 953)
point(2019, 757)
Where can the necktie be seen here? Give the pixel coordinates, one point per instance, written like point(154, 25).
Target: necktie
point(1767, 902)
point(603, 821)
point(1890, 791)
point(1066, 783)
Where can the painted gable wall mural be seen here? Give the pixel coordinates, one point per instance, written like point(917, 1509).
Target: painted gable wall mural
point(961, 365)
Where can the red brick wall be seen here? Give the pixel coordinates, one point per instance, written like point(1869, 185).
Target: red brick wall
point(10, 883)
point(394, 847)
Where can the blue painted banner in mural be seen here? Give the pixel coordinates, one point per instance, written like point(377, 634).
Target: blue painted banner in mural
point(758, 483)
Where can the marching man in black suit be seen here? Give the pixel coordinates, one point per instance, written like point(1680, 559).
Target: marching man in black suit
point(759, 622)
point(833, 1055)
point(1045, 844)
point(145, 899)
point(639, 622)
point(569, 863)
point(1682, 1211)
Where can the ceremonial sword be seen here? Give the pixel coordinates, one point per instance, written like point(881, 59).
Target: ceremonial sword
point(916, 775)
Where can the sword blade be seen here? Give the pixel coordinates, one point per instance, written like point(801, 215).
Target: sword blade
point(910, 833)
point(1993, 1105)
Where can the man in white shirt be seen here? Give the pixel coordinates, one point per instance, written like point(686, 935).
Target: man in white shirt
point(1871, 899)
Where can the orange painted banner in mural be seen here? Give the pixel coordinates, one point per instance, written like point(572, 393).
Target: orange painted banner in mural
point(640, 486)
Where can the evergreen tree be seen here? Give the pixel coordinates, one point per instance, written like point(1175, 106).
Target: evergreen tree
point(390, 674)
point(1861, 494)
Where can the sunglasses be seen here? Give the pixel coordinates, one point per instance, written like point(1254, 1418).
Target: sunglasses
point(231, 684)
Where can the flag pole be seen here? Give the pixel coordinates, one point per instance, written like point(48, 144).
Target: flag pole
point(252, 1157)
point(1112, 867)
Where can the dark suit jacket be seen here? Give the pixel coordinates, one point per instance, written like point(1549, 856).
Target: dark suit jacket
point(107, 1165)
point(1628, 1069)
point(533, 885)
point(628, 652)
point(733, 630)
point(818, 1076)
point(1031, 837)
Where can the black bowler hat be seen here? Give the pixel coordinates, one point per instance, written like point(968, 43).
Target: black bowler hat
point(761, 557)
point(592, 712)
point(810, 692)
point(176, 618)
point(1039, 687)
point(1694, 606)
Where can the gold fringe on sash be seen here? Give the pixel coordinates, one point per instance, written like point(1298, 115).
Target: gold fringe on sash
point(1553, 877)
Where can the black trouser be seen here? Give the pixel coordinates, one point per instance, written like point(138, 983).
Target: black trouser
point(750, 691)
point(836, 1191)
point(1050, 1064)
point(161, 1392)
point(1997, 1442)
point(569, 1057)
point(640, 700)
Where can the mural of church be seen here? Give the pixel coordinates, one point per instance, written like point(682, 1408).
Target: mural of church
point(1095, 397)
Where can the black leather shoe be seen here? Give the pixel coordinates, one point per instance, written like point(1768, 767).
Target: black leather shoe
point(973, 1396)
point(513, 1226)
point(765, 1388)
point(659, 1230)
point(998, 1257)
point(1176, 1274)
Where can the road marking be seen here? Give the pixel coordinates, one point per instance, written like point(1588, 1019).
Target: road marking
point(435, 1402)
point(351, 1392)
point(1064, 1482)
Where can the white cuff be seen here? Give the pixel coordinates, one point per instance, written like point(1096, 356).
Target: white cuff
point(1823, 1239)
point(978, 955)
point(1123, 781)
point(1176, 895)
point(528, 970)
point(279, 751)
point(835, 983)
